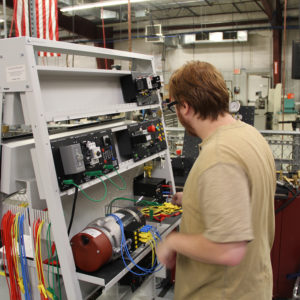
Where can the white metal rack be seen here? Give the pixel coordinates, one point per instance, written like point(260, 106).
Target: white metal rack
point(54, 94)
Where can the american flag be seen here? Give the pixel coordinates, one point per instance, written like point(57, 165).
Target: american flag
point(46, 20)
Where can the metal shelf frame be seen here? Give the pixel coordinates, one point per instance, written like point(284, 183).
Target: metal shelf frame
point(51, 94)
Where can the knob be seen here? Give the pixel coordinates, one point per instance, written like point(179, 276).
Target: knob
point(151, 128)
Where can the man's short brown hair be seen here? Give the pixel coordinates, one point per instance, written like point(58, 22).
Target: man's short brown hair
point(203, 87)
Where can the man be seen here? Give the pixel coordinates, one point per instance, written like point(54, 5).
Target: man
point(227, 228)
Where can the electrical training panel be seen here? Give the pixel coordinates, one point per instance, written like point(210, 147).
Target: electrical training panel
point(141, 88)
point(48, 167)
point(76, 155)
point(142, 139)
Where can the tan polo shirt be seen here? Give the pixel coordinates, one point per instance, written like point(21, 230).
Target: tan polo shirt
point(229, 197)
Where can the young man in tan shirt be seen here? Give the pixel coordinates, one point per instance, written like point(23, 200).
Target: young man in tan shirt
point(227, 228)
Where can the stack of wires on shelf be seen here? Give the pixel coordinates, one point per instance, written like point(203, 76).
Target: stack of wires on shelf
point(140, 202)
point(148, 235)
point(15, 266)
point(159, 213)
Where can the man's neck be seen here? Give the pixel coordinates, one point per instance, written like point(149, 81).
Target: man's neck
point(207, 127)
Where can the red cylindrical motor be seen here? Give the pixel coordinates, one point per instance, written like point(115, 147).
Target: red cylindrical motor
point(91, 249)
point(100, 241)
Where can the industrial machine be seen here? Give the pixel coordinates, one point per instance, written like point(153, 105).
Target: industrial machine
point(86, 164)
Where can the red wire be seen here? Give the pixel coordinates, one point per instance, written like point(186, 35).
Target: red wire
point(14, 18)
point(3, 233)
point(7, 236)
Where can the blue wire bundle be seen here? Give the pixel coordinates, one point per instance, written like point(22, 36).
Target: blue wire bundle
point(125, 249)
point(23, 259)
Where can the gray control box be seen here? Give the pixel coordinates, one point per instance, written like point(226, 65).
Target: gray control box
point(72, 159)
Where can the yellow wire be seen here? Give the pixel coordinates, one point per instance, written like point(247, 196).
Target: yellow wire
point(38, 256)
point(166, 208)
point(152, 248)
point(16, 258)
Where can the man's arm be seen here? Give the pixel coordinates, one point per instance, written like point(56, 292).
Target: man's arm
point(197, 247)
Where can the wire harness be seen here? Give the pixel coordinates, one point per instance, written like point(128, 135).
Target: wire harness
point(151, 237)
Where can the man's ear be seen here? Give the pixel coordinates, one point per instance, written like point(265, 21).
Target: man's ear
point(185, 108)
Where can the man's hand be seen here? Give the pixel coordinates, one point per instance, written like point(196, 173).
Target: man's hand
point(177, 199)
point(165, 254)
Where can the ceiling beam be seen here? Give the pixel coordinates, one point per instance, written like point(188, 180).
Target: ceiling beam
point(80, 26)
point(191, 11)
point(236, 7)
point(208, 3)
point(199, 26)
point(268, 10)
point(260, 6)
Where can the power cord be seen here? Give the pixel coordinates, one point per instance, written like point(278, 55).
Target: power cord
point(73, 209)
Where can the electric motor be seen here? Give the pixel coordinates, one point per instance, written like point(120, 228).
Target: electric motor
point(100, 241)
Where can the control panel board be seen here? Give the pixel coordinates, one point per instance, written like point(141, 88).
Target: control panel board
point(142, 139)
point(140, 88)
point(75, 155)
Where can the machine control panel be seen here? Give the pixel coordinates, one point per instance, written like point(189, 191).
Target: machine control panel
point(140, 88)
point(77, 154)
point(142, 139)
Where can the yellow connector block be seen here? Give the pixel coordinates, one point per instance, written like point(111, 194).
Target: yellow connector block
point(148, 170)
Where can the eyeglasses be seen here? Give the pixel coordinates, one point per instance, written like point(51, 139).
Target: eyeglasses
point(171, 107)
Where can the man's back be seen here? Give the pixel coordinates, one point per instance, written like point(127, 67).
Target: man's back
point(228, 197)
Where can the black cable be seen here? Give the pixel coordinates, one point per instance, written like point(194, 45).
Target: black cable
point(73, 209)
point(287, 203)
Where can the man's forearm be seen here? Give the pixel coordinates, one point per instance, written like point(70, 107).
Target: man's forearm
point(197, 247)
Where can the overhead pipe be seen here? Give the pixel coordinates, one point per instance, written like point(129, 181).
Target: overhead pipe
point(111, 40)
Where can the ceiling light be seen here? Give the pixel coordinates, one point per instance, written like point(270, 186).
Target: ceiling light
point(98, 4)
point(1, 21)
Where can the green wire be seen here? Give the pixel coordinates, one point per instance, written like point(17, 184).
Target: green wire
point(87, 196)
point(48, 243)
point(113, 183)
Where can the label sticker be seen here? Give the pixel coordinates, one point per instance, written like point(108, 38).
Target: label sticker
point(15, 73)
point(93, 232)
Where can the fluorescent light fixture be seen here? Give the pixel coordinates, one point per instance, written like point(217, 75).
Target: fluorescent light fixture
point(1, 21)
point(98, 4)
point(216, 36)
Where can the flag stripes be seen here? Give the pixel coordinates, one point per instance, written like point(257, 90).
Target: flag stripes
point(46, 20)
